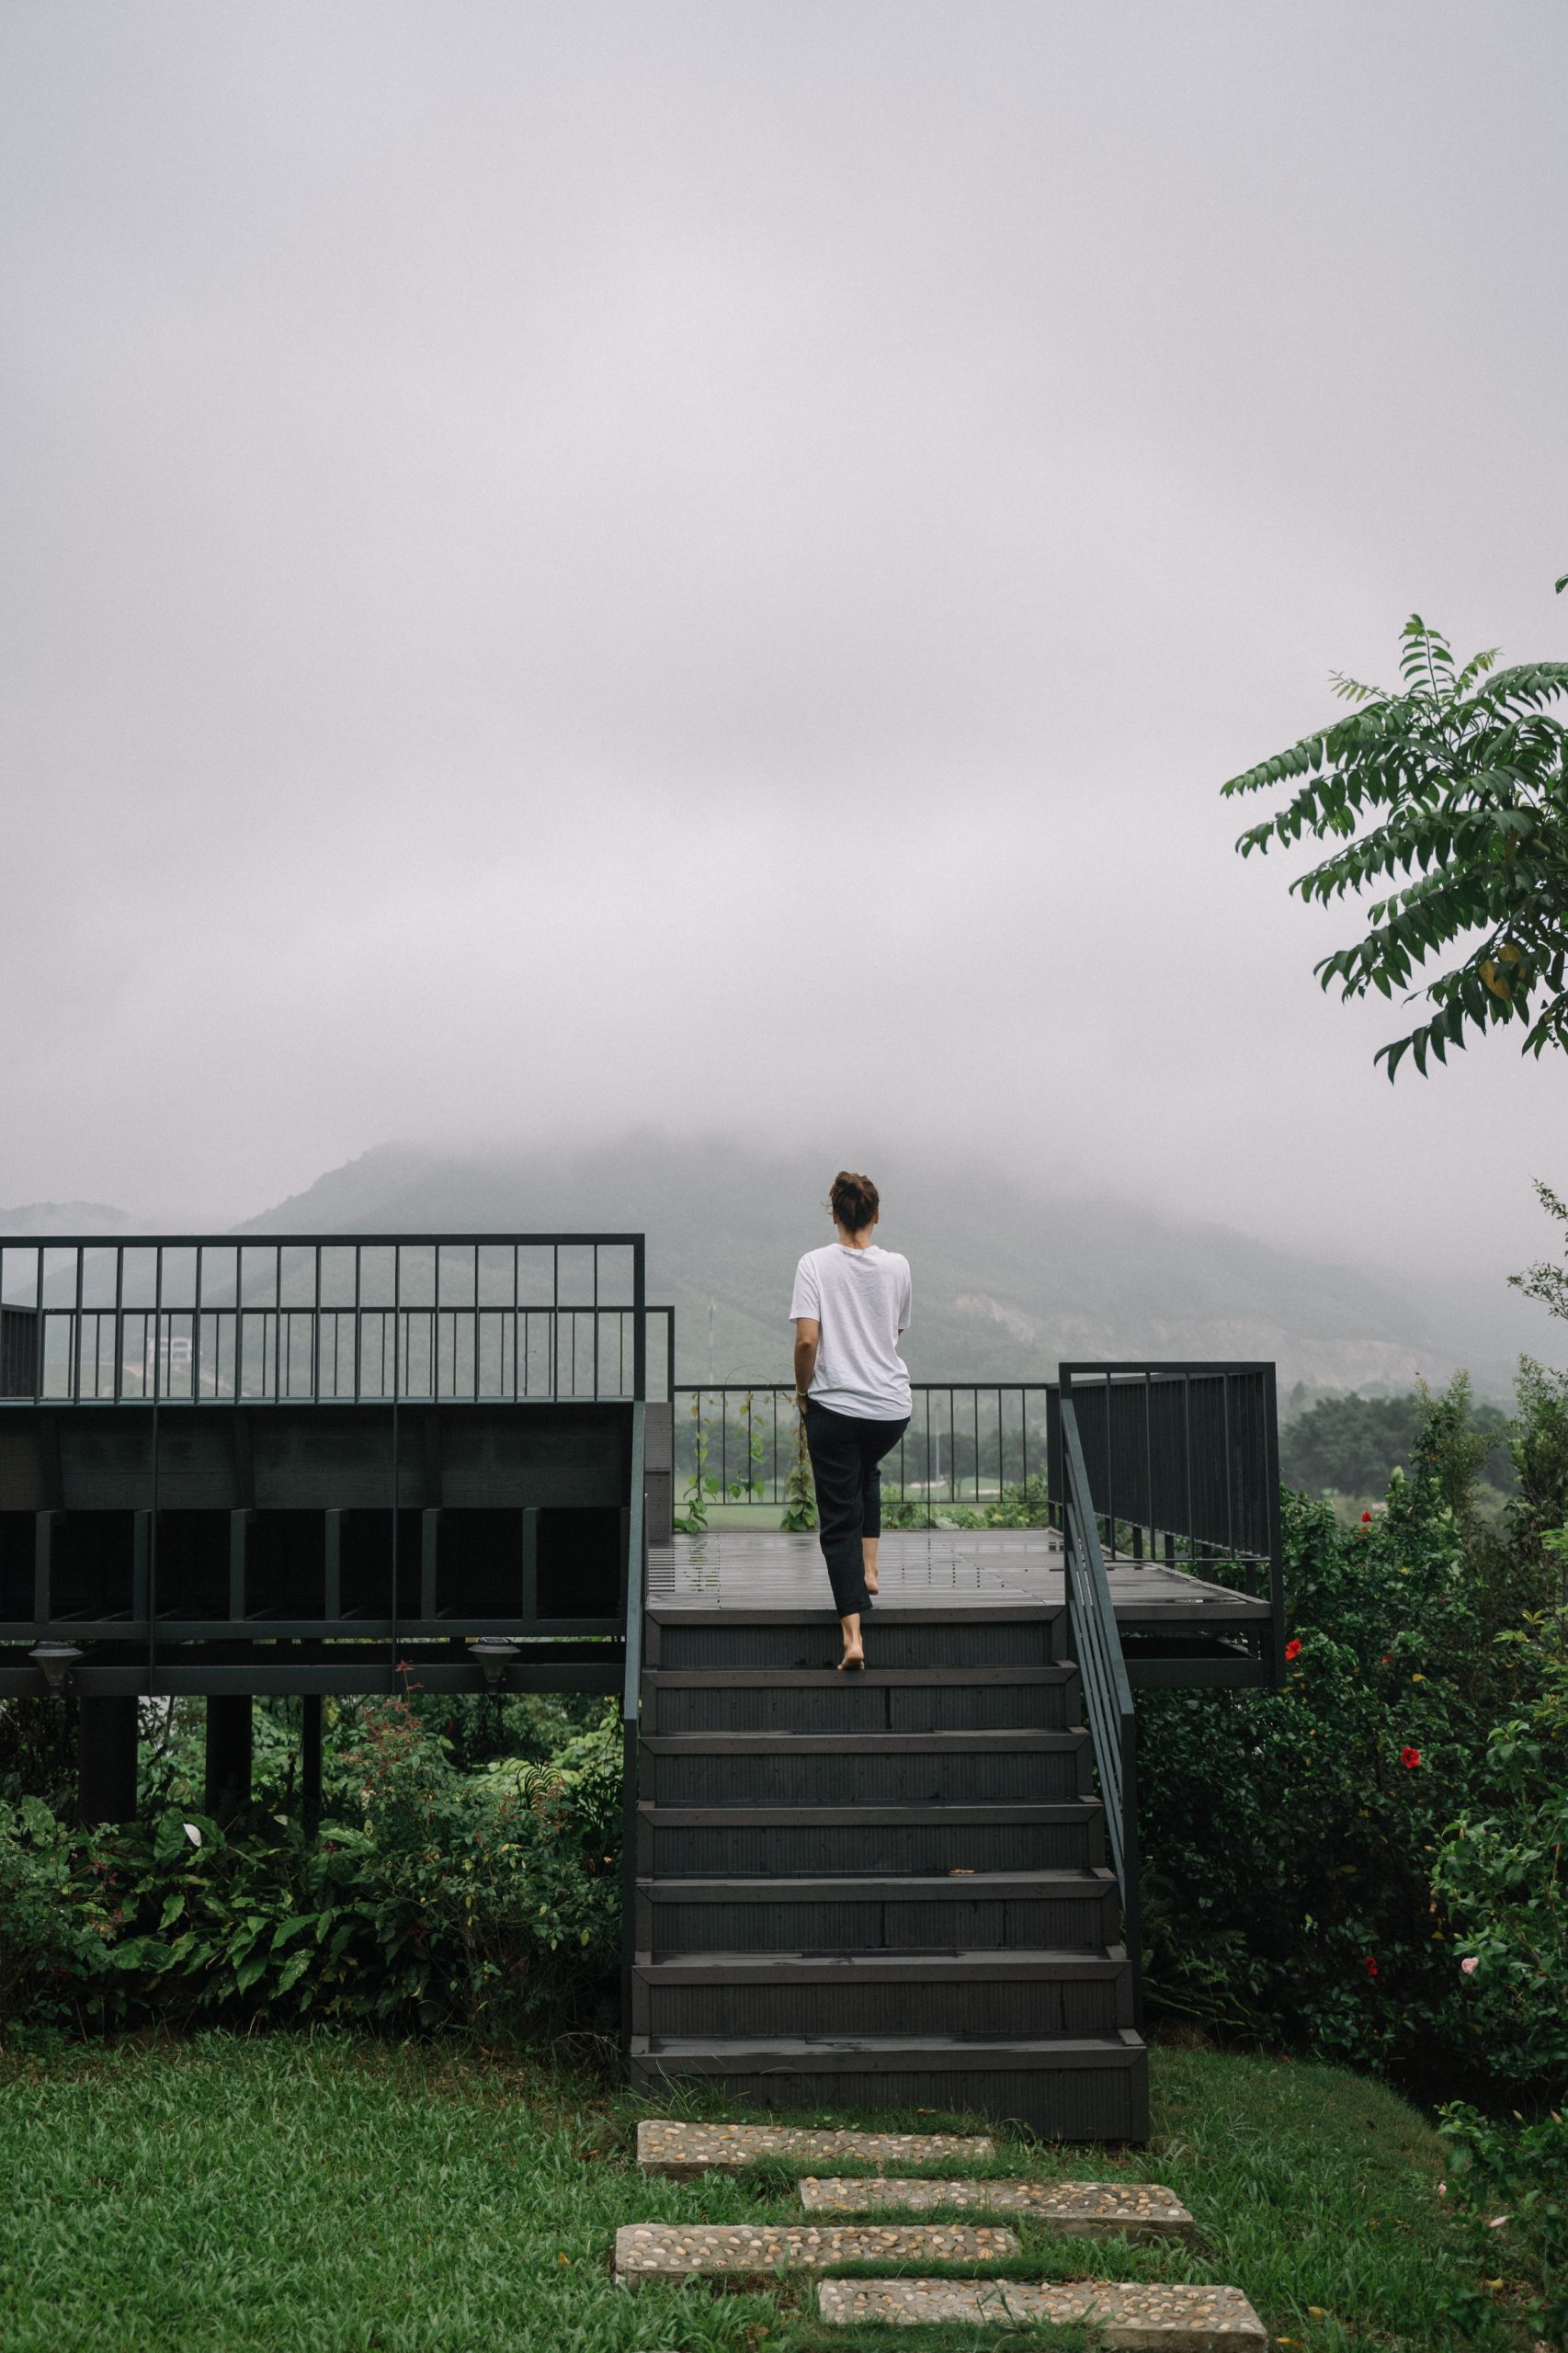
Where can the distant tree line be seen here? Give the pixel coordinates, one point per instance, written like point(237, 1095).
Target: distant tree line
point(1352, 1446)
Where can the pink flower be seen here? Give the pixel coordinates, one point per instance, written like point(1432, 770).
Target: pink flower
point(1468, 1967)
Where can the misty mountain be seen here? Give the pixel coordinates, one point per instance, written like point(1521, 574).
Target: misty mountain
point(61, 1217)
point(1006, 1282)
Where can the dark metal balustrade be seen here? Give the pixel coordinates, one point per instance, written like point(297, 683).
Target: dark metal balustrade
point(966, 1440)
point(317, 1320)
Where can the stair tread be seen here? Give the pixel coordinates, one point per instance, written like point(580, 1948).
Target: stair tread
point(1000, 1813)
point(822, 1678)
point(1116, 2046)
point(831, 1967)
point(1066, 1878)
point(1028, 1737)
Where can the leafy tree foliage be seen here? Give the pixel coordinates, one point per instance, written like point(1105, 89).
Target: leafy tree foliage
point(1352, 1446)
point(1457, 784)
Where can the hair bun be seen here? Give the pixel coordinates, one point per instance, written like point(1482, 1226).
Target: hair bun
point(854, 1200)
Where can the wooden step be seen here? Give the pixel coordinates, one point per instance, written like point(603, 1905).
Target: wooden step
point(1144, 2316)
point(982, 1911)
point(1022, 1634)
point(1090, 2210)
point(685, 2150)
point(817, 1700)
point(725, 1842)
point(757, 2251)
point(1093, 2088)
point(871, 1769)
point(969, 1995)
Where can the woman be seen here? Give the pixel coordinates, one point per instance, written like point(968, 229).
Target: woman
point(851, 1307)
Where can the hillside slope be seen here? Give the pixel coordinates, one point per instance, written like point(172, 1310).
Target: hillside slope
point(1006, 1284)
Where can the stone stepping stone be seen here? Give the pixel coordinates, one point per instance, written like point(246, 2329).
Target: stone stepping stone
point(686, 2151)
point(1141, 2317)
point(1090, 2210)
point(754, 2251)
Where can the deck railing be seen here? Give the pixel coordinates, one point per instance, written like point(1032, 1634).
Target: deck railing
point(966, 1442)
point(1095, 1645)
point(318, 1320)
point(1182, 1463)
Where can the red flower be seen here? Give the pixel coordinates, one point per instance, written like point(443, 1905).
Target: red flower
point(1370, 1964)
point(1387, 1659)
point(1366, 1519)
point(1293, 1648)
point(1410, 1758)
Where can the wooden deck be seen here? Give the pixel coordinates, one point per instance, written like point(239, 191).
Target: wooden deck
point(937, 1569)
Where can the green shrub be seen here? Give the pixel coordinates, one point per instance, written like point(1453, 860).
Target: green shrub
point(1295, 1842)
point(429, 1897)
point(1500, 1870)
point(1517, 2180)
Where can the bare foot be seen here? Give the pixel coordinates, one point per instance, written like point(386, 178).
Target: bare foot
point(854, 1655)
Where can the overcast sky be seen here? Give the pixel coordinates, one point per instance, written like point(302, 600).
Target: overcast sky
point(570, 564)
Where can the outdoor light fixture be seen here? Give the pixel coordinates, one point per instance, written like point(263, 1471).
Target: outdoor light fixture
point(56, 1661)
point(494, 1655)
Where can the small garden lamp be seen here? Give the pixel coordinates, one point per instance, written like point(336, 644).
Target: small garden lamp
point(55, 1661)
point(494, 1655)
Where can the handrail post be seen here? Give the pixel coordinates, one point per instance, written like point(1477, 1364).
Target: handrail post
point(630, 1707)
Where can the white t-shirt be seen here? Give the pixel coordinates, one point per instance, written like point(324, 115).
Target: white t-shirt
point(860, 1298)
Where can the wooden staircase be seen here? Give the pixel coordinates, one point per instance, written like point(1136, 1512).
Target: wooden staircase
point(886, 1890)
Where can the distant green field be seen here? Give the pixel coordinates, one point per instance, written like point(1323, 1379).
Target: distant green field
point(286, 2194)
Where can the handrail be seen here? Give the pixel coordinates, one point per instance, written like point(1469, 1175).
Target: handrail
point(1102, 1671)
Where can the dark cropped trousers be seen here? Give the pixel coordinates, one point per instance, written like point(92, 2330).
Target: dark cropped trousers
point(847, 1456)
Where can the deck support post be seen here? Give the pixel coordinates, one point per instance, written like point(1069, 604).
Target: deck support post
point(310, 1761)
point(107, 1759)
point(229, 1743)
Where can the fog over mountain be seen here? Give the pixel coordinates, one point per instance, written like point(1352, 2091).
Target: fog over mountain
point(1006, 1282)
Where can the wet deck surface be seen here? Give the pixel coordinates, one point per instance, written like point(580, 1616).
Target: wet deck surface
point(926, 1569)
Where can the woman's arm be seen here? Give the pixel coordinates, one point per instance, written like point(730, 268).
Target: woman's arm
point(808, 1338)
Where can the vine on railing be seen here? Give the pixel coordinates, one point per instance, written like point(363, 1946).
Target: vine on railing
point(799, 1488)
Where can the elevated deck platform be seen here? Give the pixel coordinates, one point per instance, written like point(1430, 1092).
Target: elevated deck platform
point(1175, 1627)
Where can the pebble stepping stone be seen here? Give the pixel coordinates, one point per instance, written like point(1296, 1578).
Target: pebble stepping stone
point(1143, 2317)
point(754, 2251)
point(1093, 2209)
point(686, 2151)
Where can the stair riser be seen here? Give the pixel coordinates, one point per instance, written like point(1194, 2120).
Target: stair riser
point(962, 1778)
point(1006, 1643)
point(993, 2011)
point(779, 1852)
point(1056, 1923)
point(1066, 2104)
point(851, 1707)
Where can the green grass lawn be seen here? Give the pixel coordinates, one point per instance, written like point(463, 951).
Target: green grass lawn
point(313, 2195)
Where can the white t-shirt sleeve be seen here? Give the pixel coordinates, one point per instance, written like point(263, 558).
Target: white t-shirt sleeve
point(807, 1299)
point(905, 1302)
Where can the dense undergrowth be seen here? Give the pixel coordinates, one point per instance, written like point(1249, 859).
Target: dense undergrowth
point(448, 1885)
